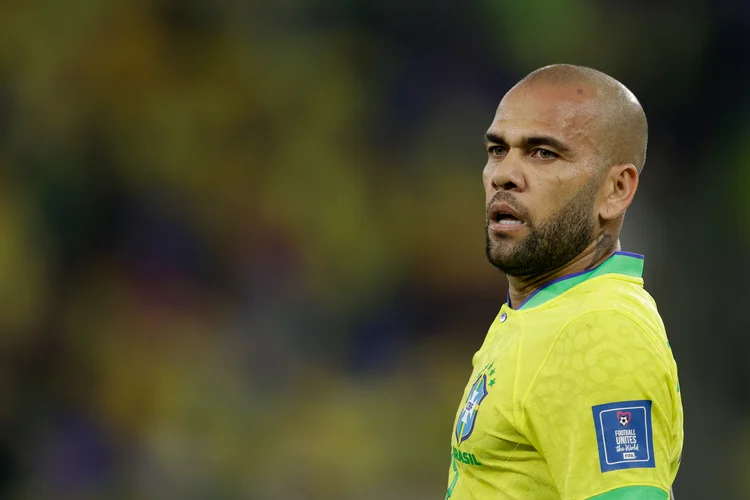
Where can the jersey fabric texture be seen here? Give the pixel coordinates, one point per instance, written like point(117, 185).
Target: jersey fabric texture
point(574, 395)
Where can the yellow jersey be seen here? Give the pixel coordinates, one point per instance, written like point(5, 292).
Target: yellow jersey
point(574, 395)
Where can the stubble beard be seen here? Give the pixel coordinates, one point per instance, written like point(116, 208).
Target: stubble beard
point(548, 246)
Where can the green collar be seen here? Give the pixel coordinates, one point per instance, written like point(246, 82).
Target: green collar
point(626, 263)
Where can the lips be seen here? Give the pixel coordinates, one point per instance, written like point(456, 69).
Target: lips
point(503, 217)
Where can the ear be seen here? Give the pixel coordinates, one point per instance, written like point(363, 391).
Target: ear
point(618, 189)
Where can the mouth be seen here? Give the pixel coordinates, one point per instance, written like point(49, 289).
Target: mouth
point(502, 218)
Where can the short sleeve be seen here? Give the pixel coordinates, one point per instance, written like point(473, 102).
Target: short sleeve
point(601, 408)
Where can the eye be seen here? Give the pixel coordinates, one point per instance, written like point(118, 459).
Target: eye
point(496, 151)
point(544, 154)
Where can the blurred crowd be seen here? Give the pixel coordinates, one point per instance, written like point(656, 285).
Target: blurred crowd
point(241, 243)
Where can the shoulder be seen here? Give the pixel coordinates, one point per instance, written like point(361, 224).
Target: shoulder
point(601, 355)
point(614, 340)
point(601, 351)
point(624, 303)
point(618, 330)
point(605, 322)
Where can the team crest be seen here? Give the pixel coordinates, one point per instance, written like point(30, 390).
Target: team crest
point(465, 424)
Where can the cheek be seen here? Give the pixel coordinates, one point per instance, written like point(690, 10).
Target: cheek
point(548, 202)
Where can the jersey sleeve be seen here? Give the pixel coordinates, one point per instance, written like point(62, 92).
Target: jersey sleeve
point(601, 410)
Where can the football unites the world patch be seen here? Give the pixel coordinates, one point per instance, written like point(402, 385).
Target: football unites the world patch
point(624, 435)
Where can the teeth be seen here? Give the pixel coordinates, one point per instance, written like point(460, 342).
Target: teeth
point(510, 221)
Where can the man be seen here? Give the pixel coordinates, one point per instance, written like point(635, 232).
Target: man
point(574, 392)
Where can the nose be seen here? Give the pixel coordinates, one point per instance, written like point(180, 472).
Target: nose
point(507, 173)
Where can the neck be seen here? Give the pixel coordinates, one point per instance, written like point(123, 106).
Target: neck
point(597, 252)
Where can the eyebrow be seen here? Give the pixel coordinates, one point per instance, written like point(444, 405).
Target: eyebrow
point(536, 140)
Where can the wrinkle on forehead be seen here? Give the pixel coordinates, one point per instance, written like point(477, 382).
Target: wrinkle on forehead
point(561, 111)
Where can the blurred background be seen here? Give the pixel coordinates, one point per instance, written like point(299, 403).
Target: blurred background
point(241, 243)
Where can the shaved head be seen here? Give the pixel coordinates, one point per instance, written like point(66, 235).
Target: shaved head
point(619, 126)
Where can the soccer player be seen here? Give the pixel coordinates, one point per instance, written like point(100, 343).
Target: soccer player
point(574, 392)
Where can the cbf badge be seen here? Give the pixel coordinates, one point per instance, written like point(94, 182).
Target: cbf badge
point(479, 391)
point(624, 435)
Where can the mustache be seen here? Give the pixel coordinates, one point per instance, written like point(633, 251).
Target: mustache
point(504, 196)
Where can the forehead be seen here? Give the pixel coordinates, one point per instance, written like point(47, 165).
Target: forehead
point(567, 112)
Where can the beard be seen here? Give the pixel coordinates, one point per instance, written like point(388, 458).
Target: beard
point(548, 246)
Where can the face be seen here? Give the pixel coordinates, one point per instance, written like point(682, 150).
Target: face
point(541, 179)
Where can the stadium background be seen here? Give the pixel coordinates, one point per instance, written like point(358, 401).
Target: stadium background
point(241, 243)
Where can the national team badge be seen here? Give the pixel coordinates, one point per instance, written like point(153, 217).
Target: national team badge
point(465, 424)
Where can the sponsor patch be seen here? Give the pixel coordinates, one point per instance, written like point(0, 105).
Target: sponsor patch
point(624, 435)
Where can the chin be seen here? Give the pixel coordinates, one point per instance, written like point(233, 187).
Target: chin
point(500, 255)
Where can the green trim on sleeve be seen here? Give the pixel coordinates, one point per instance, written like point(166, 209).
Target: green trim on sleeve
point(634, 493)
